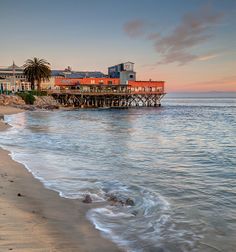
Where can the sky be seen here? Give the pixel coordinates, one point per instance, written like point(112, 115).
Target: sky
point(190, 44)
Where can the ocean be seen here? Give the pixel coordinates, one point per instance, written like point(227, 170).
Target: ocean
point(176, 162)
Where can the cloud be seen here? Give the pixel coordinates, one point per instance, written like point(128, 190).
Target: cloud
point(221, 84)
point(178, 46)
point(153, 36)
point(208, 56)
point(227, 80)
point(194, 29)
point(181, 57)
point(135, 28)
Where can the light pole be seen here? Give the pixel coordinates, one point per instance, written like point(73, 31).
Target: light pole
point(14, 77)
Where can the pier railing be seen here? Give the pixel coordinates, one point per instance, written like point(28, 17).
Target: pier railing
point(101, 92)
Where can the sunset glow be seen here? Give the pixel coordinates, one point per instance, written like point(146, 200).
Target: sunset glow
point(188, 44)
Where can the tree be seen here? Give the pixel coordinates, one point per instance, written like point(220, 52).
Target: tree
point(37, 70)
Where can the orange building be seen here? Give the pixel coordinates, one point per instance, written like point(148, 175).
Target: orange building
point(66, 82)
point(121, 74)
point(69, 82)
point(117, 89)
point(135, 86)
point(147, 86)
point(102, 81)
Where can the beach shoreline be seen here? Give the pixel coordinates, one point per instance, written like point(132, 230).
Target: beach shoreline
point(34, 218)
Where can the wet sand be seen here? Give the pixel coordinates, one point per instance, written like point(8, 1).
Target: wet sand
point(33, 218)
point(7, 110)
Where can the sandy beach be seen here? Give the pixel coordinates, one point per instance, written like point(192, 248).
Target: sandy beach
point(33, 218)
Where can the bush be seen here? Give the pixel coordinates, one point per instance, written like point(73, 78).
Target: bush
point(38, 93)
point(27, 97)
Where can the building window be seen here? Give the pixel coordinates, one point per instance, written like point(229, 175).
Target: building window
point(131, 76)
point(109, 82)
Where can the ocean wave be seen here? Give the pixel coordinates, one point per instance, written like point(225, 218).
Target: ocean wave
point(128, 225)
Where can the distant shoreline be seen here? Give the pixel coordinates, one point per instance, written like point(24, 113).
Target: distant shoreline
point(201, 95)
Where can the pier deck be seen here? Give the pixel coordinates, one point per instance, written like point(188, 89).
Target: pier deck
point(107, 96)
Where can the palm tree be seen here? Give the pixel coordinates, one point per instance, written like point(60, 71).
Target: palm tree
point(37, 70)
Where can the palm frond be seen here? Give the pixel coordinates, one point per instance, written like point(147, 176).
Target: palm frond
point(37, 70)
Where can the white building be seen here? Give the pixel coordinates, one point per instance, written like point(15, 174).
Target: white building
point(12, 79)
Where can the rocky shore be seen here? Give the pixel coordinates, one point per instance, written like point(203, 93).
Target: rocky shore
point(11, 100)
point(41, 102)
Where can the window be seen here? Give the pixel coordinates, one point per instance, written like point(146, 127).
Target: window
point(131, 76)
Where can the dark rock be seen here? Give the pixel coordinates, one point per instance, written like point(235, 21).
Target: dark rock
point(135, 212)
point(87, 199)
point(121, 202)
point(129, 202)
point(1, 117)
point(19, 195)
point(112, 198)
point(117, 201)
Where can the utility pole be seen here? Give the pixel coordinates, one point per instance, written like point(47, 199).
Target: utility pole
point(14, 75)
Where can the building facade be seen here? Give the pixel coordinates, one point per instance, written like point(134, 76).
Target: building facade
point(12, 79)
point(124, 71)
point(121, 74)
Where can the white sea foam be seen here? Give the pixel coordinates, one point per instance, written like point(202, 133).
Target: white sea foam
point(118, 223)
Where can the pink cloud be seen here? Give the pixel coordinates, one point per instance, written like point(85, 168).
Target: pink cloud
point(208, 56)
point(194, 29)
point(228, 80)
point(135, 28)
point(226, 84)
point(177, 46)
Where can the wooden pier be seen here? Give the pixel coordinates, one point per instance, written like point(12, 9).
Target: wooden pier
point(109, 96)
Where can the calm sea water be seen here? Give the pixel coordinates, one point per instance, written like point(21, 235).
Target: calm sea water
point(177, 162)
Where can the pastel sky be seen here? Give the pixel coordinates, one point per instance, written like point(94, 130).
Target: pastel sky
point(191, 44)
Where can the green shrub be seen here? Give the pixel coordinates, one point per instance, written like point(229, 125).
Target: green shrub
point(38, 93)
point(27, 97)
